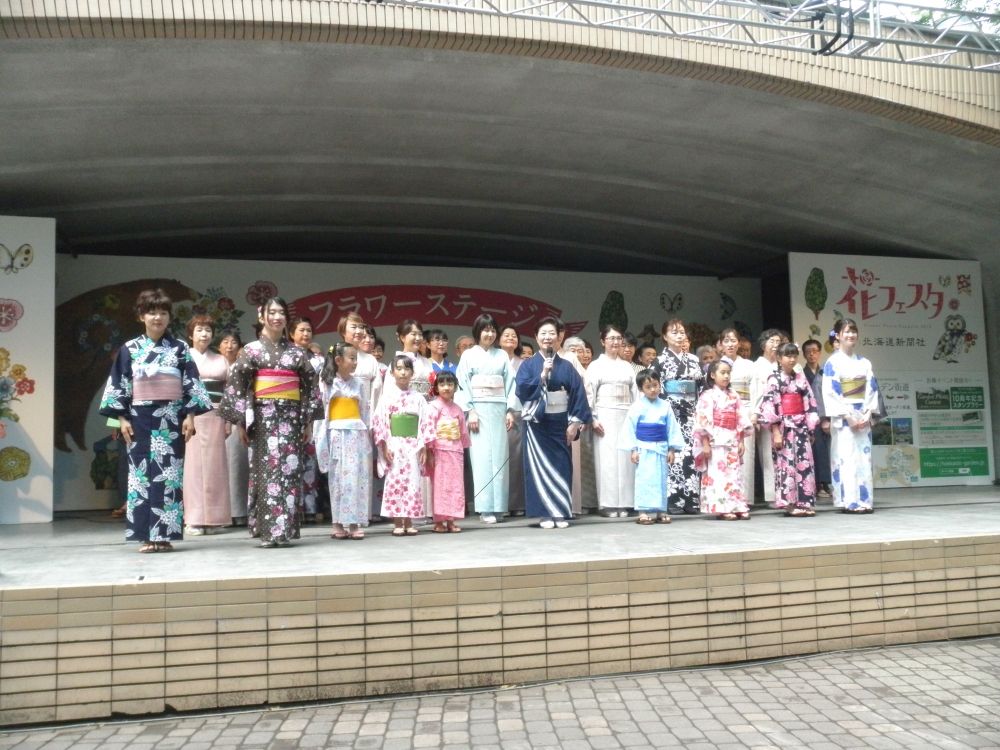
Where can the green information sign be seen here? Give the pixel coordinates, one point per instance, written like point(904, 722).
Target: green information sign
point(967, 398)
point(936, 463)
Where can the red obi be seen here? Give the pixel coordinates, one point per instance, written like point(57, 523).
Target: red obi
point(726, 419)
point(792, 405)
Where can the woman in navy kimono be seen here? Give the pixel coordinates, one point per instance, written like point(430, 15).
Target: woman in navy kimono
point(555, 408)
point(155, 392)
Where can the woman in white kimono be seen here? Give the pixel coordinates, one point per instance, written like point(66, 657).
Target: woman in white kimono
point(510, 342)
point(742, 382)
point(765, 366)
point(486, 383)
point(850, 395)
point(584, 476)
point(411, 337)
point(612, 381)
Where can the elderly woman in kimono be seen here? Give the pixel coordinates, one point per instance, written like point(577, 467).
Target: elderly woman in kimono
point(554, 410)
point(155, 394)
point(612, 381)
point(272, 397)
point(850, 396)
point(206, 470)
point(486, 395)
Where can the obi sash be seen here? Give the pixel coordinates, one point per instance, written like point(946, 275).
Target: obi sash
point(853, 389)
point(792, 405)
point(403, 425)
point(679, 389)
point(614, 394)
point(488, 387)
point(651, 433)
point(742, 389)
point(557, 402)
point(282, 384)
point(163, 385)
point(214, 388)
point(724, 418)
point(342, 407)
point(447, 429)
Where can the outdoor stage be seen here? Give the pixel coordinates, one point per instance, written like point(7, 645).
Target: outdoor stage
point(90, 628)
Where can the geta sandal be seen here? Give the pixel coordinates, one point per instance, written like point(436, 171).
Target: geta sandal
point(147, 547)
point(454, 529)
point(411, 531)
point(663, 518)
point(726, 517)
point(399, 531)
point(439, 528)
point(340, 535)
point(645, 520)
point(164, 547)
point(359, 534)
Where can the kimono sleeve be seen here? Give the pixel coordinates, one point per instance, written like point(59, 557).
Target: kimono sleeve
point(872, 394)
point(769, 411)
point(427, 428)
point(310, 400)
point(833, 400)
point(743, 424)
point(321, 438)
point(195, 400)
point(675, 438)
point(117, 399)
point(627, 441)
point(463, 396)
point(236, 395)
point(380, 422)
point(528, 383)
point(704, 420)
point(364, 409)
point(509, 384)
point(579, 401)
point(812, 410)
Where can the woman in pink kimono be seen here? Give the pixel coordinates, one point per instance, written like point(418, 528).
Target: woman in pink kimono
point(451, 438)
point(402, 433)
point(788, 409)
point(206, 471)
point(720, 427)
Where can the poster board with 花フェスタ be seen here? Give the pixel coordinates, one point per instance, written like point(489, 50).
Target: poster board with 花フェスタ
point(27, 382)
point(921, 324)
point(96, 294)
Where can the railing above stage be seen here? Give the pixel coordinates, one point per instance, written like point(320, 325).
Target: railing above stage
point(864, 29)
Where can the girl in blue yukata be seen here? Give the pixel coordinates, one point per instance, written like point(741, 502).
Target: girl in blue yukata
point(653, 436)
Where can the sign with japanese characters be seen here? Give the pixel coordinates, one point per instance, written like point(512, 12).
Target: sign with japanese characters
point(921, 324)
point(94, 317)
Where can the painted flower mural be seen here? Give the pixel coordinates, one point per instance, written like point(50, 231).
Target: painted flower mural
point(14, 383)
point(14, 464)
point(260, 292)
point(215, 304)
point(11, 311)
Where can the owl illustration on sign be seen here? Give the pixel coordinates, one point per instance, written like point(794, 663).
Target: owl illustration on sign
point(952, 339)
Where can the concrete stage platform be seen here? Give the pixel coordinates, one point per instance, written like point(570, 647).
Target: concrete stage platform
point(89, 628)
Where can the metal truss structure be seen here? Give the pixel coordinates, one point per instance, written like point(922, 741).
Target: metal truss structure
point(865, 29)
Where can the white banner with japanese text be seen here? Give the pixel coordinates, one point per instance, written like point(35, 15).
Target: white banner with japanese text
point(922, 326)
point(95, 297)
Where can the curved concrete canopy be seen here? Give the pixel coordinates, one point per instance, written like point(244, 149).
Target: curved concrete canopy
point(387, 154)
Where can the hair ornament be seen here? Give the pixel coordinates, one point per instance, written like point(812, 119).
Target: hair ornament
point(833, 333)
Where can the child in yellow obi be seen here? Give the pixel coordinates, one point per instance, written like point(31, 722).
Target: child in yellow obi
point(450, 440)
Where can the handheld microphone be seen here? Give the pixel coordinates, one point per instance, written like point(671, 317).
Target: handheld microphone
point(549, 353)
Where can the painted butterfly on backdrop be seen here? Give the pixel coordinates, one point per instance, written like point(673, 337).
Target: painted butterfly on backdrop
point(14, 262)
point(672, 305)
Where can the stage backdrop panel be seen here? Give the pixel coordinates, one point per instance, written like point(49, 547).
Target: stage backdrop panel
point(95, 297)
point(922, 326)
point(27, 380)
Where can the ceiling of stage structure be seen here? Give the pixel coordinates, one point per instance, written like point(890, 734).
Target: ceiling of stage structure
point(350, 153)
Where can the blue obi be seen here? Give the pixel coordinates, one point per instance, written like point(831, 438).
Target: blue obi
point(651, 433)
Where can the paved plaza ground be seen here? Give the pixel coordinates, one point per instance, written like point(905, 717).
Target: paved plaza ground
point(938, 696)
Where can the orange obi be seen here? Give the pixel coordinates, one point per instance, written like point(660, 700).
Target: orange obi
point(342, 407)
point(282, 384)
point(447, 429)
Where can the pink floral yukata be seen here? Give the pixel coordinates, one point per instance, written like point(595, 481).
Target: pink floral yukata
point(451, 438)
point(402, 496)
point(789, 402)
point(720, 418)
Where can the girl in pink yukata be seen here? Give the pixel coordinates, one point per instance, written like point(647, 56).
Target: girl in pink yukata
point(720, 427)
point(789, 408)
point(451, 438)
point(402, 433)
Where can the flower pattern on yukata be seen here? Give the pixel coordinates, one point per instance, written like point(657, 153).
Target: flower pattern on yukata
point(402, 496)
point(722, 488)
point(685, 480)
point(794, 473)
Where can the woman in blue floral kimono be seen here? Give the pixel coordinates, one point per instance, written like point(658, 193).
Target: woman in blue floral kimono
point(155, 393)
point(272, 398)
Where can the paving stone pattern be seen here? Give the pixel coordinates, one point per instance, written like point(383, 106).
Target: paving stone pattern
point(939, 696)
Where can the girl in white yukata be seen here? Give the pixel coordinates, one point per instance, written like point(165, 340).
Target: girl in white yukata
point(850, 395)
point(486, 394)
point(652, 435)
point(612, 381)
point(402, 433)
point(343, 443)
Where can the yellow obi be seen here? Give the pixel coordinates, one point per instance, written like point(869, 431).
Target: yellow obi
point(343, 407)
point(283, 384)
point(853, 389)
point(447, 429)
